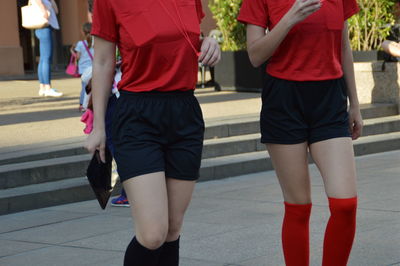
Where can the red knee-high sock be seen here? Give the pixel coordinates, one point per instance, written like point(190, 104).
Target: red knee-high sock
point(295, 234)
point(340, 231)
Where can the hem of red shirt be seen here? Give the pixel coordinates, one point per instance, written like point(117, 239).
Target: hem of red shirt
point(351, 13)
point(247, 20)
point(154, 90)
point(321, 78)
point(106, 37)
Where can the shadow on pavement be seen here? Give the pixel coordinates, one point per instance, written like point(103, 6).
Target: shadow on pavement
point(12, 119)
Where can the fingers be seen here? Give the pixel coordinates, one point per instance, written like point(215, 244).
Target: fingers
point(102, 152)
point(211, 52)
point(357, 130)
point(306, 3)
point(309, 9)
point(204, 50)
point(355, 127)
point(215, 57)
point(207, 55)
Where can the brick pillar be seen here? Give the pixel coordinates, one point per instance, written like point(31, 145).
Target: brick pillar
point(11, 59)
point(73, 14)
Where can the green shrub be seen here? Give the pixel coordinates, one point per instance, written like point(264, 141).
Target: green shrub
point(367, 29)
point(225, 13)
point(371, 25)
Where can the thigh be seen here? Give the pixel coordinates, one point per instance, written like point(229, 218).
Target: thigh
point(179, 196)
point(45, 42)
point(150, 208)
point(335, 160)
point(291, 166)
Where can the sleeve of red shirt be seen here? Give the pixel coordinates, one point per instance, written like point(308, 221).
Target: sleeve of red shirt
point(104, 23)
point(200, 12)
point(350, 8)
point(254, 12)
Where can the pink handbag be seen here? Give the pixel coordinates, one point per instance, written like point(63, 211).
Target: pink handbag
point(72, 68)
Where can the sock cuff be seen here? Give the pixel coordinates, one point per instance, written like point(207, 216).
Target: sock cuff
point(293, 205)
point(299, 210)
point(343, 204)
point(174, 243)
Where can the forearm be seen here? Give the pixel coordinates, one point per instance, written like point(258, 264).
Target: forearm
point(103, 73)
point(262, 49)
point(348, 69)
point(391, 47)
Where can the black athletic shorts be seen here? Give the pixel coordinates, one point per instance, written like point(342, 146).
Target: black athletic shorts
point(303, 111)
point(158, 131)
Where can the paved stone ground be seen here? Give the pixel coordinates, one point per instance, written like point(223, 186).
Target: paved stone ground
point(234, 222)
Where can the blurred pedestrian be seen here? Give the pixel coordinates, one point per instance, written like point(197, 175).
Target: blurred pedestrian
point(45, 36)
point(84, 53)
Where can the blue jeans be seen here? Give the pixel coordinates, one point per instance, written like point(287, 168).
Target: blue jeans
point(46, 54)
point(83, 93)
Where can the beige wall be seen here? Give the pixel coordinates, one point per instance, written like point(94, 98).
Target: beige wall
point(10, 50)
point(208, 22)
point(73, 14)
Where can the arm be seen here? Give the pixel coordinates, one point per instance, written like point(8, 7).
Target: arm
point(54, 5)
point(42, 8)
point(355, 119)
point(261, 46)
point(391, 47)
point(103, 74)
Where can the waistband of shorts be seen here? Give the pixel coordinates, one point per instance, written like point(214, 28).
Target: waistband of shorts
point(158, 93)
point(269, 76)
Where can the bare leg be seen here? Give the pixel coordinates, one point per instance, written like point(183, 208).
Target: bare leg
point(150, 211)
point(179, 196)
point(335, 160)
point(291, 166)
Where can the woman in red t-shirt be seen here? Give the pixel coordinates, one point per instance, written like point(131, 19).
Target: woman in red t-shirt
point(157, 128)
point(310, 77)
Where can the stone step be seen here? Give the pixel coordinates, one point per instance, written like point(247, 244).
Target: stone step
point(376, 110)
point(251, 162)
point(46, 195)
point(77, 189)
point(27, 173)
point(251, 142)
point(383, 117)
point(248, 124)
point(39, 171)
point(381, 125)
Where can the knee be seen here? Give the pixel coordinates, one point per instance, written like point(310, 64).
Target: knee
point(343, 207)
point(297, 198)
point(153, 238)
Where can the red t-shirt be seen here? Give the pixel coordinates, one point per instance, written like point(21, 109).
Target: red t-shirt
point(150, 35)
point(312, 49)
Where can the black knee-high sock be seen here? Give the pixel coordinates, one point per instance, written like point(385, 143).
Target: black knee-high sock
point(169, 254)
point(138, 255)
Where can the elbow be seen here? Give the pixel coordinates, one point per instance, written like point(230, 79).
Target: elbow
point(254, 60)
